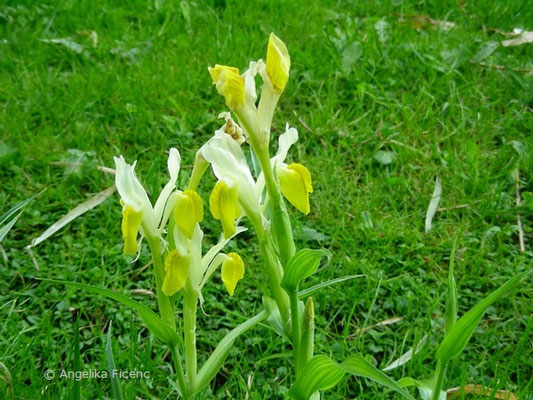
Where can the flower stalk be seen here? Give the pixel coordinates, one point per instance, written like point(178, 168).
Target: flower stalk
point(190, 305)
point(438, 380)
point(163, 301)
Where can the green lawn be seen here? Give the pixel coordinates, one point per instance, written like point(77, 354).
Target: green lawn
point(366, 77)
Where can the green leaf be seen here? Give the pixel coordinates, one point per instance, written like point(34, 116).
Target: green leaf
point(302, 294)
point(155, 324)
point(485, 50)
point(528, 199)
point(358, 366)
point(6, 226)
point(5, 376)
point(320, 373)
point(115, 383)
point(307, 343)
point(274, 317)
point(424, 388)
point(383, 157)
point(7, 154)
point(76, 390)
point(217, 358)
point(455, 341)
point(308, 234)
point(350, 55)
point(301, 265)
point(451, 300)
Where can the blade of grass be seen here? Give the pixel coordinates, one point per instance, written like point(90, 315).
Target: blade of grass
point(115, 383)
point(76, 390)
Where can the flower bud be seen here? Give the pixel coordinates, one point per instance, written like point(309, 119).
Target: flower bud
point(229, 84)
point(278, 63)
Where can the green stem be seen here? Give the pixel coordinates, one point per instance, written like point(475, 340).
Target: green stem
point(296, 330)
point(280, 223)
point(179, 371)
point(273, 268)
point(163, 301)
point(438, 379)
point(307, 342)
point(274, 272)
point(190, 302)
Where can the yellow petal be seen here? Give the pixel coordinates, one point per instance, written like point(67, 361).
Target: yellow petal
point(131, 222)
point(229, 84)
point(295, 181)
point(217, 69)
point(232, 272)
point(278, 63)
point(188, 211)
point(223, 203)
point(176, 272)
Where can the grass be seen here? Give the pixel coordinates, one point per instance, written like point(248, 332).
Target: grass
point(363, 79)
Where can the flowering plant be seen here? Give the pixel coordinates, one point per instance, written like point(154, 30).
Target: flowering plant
point(172, 229)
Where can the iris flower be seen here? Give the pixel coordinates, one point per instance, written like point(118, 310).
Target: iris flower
point(138, 215)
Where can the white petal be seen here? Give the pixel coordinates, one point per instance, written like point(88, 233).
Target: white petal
point(195, 248)
point(217, 248)
point(173, 164)
point(286, 140)
point(229, 164)
point(249, 83)
point(130, 189)
point(261, 70)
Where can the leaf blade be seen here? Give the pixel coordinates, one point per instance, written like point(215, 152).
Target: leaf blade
point(358, 366)
point(301, 265)
point(115, 383)
point(154, 324)
point(456, 340)
point(302, 294)
point(217, 358)
point(320, 373)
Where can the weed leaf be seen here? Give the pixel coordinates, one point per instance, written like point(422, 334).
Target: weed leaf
point(455, 341)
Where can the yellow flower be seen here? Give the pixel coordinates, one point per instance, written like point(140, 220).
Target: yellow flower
point(176, 272)
point(224, 206)
point(278, 63)
point(137, 210)
point(188, 211)
point(232, 271)
point(131, 222)
point(229, 84)
point(295, 182)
